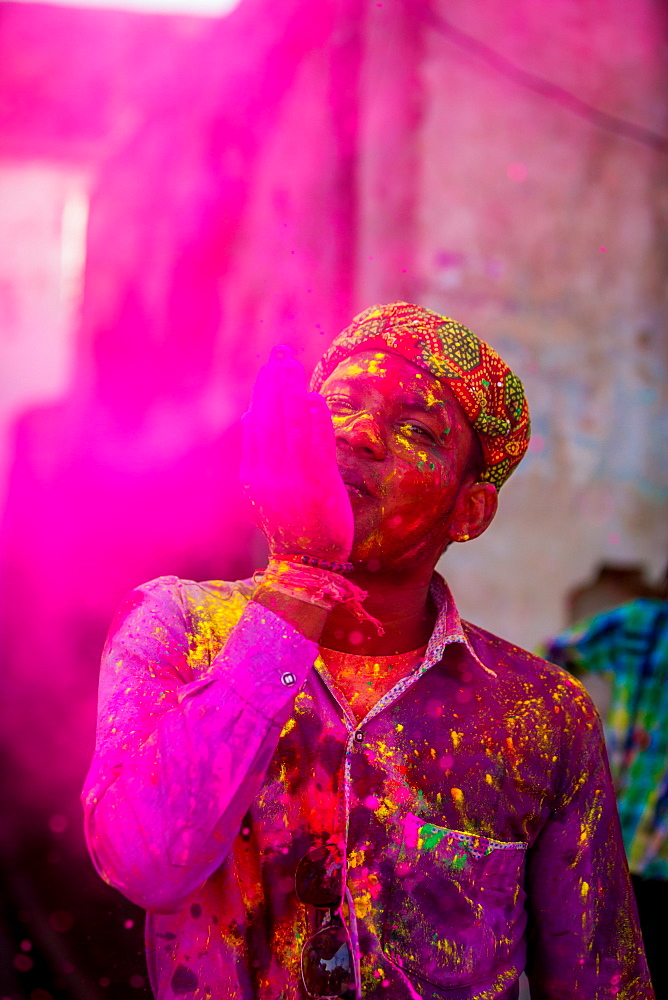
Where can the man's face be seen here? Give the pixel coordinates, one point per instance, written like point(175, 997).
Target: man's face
point(403, 443)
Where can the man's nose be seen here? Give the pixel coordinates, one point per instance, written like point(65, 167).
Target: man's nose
point(362, 434)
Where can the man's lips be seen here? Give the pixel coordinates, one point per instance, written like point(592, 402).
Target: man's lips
point(357, 482)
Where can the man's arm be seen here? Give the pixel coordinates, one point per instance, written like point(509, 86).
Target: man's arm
point(178, 762)
point(583, 933)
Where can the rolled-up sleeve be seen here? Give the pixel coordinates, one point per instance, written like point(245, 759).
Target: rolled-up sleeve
point(178, 758)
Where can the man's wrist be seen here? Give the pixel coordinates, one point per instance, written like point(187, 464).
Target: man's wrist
point(332, 565)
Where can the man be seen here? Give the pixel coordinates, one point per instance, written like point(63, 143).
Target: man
point(323, 783)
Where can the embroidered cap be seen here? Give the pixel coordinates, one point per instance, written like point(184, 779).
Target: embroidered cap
point(491, 395)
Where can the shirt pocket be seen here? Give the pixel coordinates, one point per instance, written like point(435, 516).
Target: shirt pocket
point(455, 907)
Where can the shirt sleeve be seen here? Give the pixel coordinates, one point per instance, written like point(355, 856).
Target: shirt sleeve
point(178, 761)
point(584, 940)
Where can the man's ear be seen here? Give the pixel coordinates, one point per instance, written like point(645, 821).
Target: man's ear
point(474, 511)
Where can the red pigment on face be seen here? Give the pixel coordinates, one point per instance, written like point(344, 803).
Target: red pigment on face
point(403, 442)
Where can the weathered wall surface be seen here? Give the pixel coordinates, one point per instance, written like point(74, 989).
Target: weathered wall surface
point(545, 232)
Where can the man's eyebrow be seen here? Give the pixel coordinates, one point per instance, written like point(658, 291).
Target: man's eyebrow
point(422, 405)
point(408, 402)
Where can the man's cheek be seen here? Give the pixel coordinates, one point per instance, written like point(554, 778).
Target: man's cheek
point(423, 480)
point(417, 514)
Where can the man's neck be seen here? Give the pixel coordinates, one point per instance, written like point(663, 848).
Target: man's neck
point(401, 604)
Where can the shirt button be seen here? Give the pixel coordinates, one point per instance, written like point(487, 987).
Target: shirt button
point(359, 737)
point(288, 679)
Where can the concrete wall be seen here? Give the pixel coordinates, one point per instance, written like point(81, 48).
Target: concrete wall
point(544, 230)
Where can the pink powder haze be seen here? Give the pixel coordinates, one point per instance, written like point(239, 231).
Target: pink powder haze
point(214, 230)
point(177, 195)
point(201, 253)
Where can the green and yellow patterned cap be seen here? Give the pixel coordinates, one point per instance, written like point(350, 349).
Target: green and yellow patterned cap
point(490, 394)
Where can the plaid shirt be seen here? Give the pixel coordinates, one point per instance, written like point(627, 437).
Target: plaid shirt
point(473, 805)
point(630, 646)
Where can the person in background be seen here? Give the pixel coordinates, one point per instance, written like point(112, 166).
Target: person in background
point(621, 656)
point(321, 782)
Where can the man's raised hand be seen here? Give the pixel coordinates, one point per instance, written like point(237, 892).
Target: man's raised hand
point(289, 469)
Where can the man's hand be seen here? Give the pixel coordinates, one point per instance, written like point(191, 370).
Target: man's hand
point(289, 469)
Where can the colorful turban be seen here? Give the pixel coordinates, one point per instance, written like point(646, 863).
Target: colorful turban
point(491, 395)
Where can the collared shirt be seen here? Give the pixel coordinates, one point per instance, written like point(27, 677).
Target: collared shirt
point(473, 804)
point(630, 646)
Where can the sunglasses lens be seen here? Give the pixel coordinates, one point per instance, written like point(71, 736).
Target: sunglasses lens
point(318, 879)
point(327, 966)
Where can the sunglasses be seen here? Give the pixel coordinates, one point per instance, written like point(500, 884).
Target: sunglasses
point(328, 967)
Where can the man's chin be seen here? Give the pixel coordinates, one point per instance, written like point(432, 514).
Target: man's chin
point(390, 543)
point(375, 544)
point(367, 537)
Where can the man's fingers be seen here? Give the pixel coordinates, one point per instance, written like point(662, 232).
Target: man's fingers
point(281, 369)
point(249, 456)
point(289, 462)
point(295, 413)
point(323, 442)
point(284, 406)
point(279, 412)
point(267, 415)
point(281, 353)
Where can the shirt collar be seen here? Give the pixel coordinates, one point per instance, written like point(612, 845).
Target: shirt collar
point(448, 627)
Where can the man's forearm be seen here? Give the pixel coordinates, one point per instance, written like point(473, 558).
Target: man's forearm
point(161, 816)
